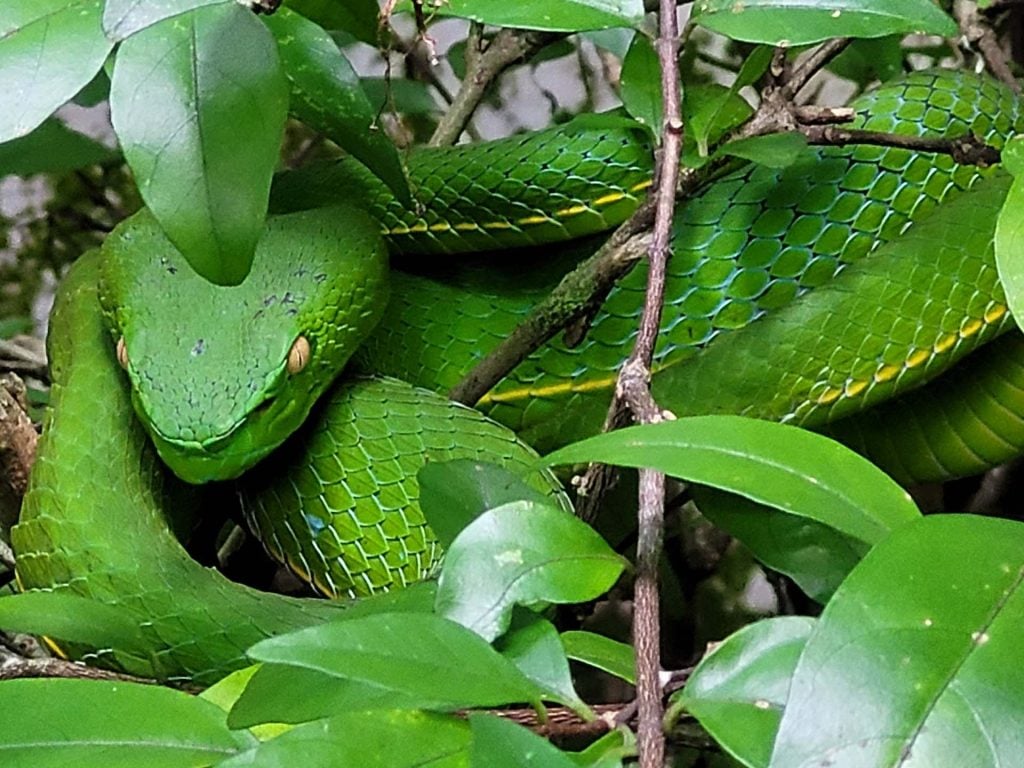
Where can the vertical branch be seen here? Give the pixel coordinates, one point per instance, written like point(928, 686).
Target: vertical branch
point(634, 389)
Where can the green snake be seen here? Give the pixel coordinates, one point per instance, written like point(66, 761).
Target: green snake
point(220, 377)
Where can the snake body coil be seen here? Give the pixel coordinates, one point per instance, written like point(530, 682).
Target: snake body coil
point(747, 254)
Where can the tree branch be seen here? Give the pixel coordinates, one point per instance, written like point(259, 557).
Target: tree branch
point(484, 63)
point(812, 63)
point(966, 150)
point(578, 295)
point(14, 667)
point(978, 32)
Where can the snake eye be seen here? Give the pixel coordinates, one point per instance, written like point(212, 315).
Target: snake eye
point(298, 355)
point(122, 353)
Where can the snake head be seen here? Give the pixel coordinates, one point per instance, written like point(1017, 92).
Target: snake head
point(222, 375)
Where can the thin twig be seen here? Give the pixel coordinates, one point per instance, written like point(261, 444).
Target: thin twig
point(977, 32)
point(484, 63)
point(634, 388)
point(812, 63)
point(966, 150)
point(580, 292)
point(15, 667)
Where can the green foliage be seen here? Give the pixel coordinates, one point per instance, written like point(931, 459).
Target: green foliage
point(914, 652)
point(740, 688)
point(641, 84)
point(202, 131)
point(49, 50)
point(327, 96)
point(122, 725)
point(523, 553)
point(564, 16)
point(1009, 239)
point(782, 22)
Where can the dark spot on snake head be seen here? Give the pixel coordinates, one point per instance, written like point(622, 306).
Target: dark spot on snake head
point(199, 348)
point(319, 278)
point(270, 300)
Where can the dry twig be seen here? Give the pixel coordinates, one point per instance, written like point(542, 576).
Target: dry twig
point(484, 63)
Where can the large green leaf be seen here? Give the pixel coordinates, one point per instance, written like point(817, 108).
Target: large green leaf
point(59, 723)
point(327, 95)
point(775, 150)
point(917, 659)
point(522, 553)
point(533, 645)
point(563, 16)
point(782, 466)
point(423, 660)
point(202, 130)
point(816, 556)
point(454, 493)
point(601, 652)
point(123, 18)
point(1009, 240)
point(357, 17)
point(51, 148)
point(371, 739)
point(500, 743)
point(49, 51)
point(739, 690)
point(711, 111)
point(799, 22)
point(278, 693)
point(640, 84)
point(73, 619)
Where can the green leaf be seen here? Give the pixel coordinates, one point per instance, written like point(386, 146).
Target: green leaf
point(500, 743)
point(918, 654)
point(711, 111)
point(326, 95)
point(123, 18)
point(776, 150)
point(371, 739)
point(867, 60)
point(73, 619)
point(601, 652)
point(58, 722)
point(816, 556)
point(609, 751)
point(424, 661)
point(407, 97)
point(357, 17)
point(454, 493)
point(202, 131)
point(1009, 239)
point(782, 466)
point(641, 84)
point(739, 689)
point(51, 148)
point(49, 51)
point(563, 16)
point(522, 553)
point(799, 22)
point(533, 645)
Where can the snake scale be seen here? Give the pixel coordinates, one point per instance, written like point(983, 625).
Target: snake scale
point(814, 294)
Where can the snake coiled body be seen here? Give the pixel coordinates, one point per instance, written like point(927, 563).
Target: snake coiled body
point(805, 294)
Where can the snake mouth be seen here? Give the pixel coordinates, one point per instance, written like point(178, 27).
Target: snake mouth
point(196, 463)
